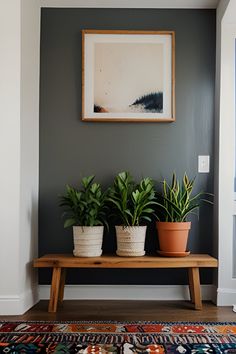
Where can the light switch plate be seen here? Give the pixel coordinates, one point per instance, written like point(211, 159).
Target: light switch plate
point(203, 163)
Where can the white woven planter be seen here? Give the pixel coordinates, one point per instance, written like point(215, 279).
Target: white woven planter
point(88, 241)
point(130, 240)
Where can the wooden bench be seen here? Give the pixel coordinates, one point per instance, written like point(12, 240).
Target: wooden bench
point(60, 262)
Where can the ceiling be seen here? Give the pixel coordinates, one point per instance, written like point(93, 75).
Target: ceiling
point(194, 4)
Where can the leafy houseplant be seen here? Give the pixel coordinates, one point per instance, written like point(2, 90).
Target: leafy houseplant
point(132, 205)
point(85, 210)
point(176, 203)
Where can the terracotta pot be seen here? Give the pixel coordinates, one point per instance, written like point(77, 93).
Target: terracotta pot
point(173, 236)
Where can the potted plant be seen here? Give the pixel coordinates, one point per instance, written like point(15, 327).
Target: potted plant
point(132, 205)
point(176, 203)
point(85, 210)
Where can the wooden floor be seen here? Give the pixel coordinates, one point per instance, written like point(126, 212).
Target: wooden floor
point(102, 310)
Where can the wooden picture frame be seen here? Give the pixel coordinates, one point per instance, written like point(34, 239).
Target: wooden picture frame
point(128, 76)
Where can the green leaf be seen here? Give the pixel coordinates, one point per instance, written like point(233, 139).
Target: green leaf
point(148, 210)
point(69, 222)
point(85, 206)
point(130, 200)
point(146, 218)
point(176, 201)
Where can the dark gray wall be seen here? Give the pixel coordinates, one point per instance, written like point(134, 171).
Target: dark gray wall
point(70, 148)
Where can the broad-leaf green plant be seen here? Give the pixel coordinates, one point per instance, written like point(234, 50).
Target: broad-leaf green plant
point(86, 206)
point(177, 200)
point(133, 203)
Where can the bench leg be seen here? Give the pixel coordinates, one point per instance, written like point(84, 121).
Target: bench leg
point(54, 293)
point(62, 285)
point(195, 289)
point(190, 279)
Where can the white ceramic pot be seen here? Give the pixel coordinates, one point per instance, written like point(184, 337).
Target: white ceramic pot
point(88, 241)
point(130, 240)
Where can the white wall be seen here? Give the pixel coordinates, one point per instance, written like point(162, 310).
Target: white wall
point(9, 147)
point(19, 92)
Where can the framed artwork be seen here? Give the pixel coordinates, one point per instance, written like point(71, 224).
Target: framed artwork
point(128, 76)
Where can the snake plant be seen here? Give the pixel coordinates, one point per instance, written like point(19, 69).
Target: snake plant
point(176, 200)
point(132, 203)
point(85, 207)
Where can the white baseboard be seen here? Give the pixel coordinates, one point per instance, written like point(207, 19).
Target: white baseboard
point(226, 297)
point(127, 292)
point(166, 4)
point(18, 304)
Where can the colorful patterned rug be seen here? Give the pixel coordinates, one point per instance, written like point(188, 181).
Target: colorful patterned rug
point(116, 337)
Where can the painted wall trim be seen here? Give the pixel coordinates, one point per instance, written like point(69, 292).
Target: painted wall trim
point(128, 292)
point(226, 297)
point(226, 202)
point(154, 4)
point(17, 305)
